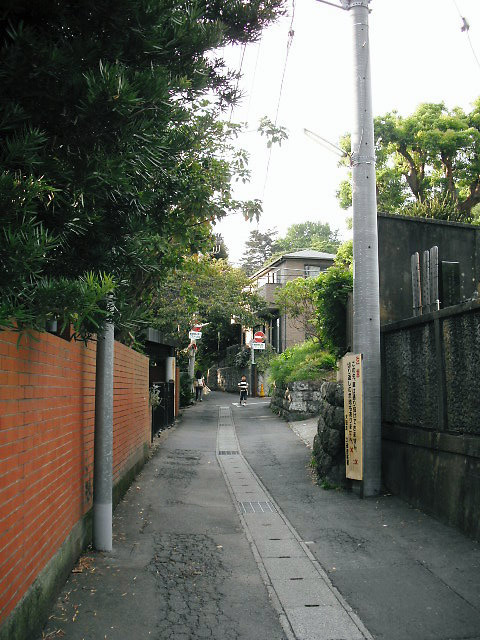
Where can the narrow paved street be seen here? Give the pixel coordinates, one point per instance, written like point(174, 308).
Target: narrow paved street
point(225, 535)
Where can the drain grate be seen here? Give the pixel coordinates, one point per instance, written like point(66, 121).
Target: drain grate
point(228, 453)
point(257, 507)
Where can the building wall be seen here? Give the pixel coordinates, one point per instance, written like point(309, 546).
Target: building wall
point(431, 409)
point(47, 415)
point(293, 332)
point(292, 268)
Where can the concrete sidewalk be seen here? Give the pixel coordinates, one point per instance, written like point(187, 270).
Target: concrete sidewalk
point(305, 430)
point(225, 535)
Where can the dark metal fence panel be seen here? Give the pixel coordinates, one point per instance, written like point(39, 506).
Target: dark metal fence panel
point(170, 401)
point(164, 414)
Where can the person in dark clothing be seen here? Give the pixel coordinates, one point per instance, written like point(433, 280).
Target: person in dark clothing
point(198, 383)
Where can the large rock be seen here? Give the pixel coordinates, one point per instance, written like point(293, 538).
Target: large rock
point(332, 442)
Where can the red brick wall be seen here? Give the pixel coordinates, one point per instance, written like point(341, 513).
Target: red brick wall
point(47, 412)
point(131, 413)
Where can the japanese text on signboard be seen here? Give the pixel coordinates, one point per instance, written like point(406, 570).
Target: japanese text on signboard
point(352, 391)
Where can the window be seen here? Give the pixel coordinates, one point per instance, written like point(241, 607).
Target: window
point(312, 271)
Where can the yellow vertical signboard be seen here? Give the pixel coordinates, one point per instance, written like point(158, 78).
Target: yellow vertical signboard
point(352, 394)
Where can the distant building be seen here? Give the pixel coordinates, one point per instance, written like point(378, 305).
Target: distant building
point(281, 331)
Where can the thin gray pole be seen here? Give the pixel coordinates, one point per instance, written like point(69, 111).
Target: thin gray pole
point(252, 371)
point(366, 304)
point(103, 442)
point(191, 364)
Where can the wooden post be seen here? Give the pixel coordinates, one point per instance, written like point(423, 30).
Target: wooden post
point(426, 284)
point(416, 285)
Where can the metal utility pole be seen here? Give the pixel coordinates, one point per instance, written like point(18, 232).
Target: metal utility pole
point(366, 299)
point(103, 442)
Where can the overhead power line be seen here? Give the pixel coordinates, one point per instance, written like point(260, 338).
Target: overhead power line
point(290, 36)
point(253, 80)
point(466, 29)
point(239, 73)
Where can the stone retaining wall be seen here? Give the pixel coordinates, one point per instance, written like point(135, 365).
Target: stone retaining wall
point(226, 378)
point(329, 443)
point(296, 400)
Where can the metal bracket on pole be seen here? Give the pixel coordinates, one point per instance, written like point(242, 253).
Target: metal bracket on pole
point(357, 159)
point(348, 4)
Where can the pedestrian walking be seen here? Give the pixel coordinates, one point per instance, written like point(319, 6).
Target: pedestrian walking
point(243, 386)
point(199, 383)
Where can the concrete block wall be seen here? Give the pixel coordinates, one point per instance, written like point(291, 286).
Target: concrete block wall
point(47, 414)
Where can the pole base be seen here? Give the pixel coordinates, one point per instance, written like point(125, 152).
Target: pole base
point(102, 526)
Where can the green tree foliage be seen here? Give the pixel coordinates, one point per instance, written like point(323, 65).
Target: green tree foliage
point(205, 290)
point(330, 297)
point(428, 164)
point(258, 250)
point(306, 361)
point(476, 214)
point(113, 158)
point(275, 134)
point(319, 306)
point(264, 358)
point(296, 299)
point(344, 255)
point(262, 247)
point(307, 235)
point(219, 250)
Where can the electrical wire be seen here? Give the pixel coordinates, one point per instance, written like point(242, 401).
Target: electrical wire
point(239, 73)
point(466, 29)
point(290, 35)
point(253, 81)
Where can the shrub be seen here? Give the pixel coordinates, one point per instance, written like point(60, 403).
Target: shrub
point(319, 305)
point(264, 358)
point(242, 358)
point(330, 295)
point(306, 361)
point(186, 395)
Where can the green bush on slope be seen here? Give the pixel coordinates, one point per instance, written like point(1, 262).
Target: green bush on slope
point(306, 361)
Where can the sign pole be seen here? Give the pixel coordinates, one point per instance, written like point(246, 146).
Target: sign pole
point(252, 371)
point(258, 342)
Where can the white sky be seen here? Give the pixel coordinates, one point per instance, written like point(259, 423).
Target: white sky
point(418, 54)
